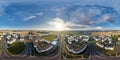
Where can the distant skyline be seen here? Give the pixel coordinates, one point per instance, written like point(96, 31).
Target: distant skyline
point(59, 15)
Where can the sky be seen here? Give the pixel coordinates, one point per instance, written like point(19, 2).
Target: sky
point(59, 15)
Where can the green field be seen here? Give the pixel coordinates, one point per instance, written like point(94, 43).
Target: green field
point(49, 37)
point(16, 48)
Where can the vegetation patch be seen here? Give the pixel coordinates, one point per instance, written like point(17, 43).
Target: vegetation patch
point(49, 37)
point(16, 48)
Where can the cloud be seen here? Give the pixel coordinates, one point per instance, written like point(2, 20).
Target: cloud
point(66, 25)
point(57, 21)
point(88, 16)
point(1, 11)
point(76, 26)
point(33, 16)
point(58, 24)
point(29, 18)
point(107, 18)
point(91, 14)
point(99, 28)
point(39, 14)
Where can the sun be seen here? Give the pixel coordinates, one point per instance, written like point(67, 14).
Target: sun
point(59, 26)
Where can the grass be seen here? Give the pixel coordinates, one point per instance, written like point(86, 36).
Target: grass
point(109, 52)
point(86, 56)
point(42, 45)
point(113, 52)
point(77, 45)
point(49, 37)
point(16, 48)
point(49, 53)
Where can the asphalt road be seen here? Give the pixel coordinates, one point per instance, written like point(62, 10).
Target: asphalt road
point(3, 49)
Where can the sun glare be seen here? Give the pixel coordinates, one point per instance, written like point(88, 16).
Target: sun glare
point(59, 26)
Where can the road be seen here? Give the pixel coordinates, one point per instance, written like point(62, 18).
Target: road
point(3, 49)
point(92, 50)
point(28, 49)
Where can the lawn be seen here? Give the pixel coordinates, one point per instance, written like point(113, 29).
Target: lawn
point(77, 45)
point(42, 45)
point(49, 37)
point(16, 48)
point(113, 52)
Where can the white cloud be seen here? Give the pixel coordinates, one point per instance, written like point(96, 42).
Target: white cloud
point(33, 16)
point(56, 21)
point(99, 28)
point(29, 18)
point(60, 23)
point(106, 17)
point(39, 14)
point(1, 10)
point(92, 14)
point(75, 26)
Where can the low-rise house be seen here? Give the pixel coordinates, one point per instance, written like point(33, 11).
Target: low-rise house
point(76, 51)
point(22, 39)
point(55, 42)
point(71, 39)
point(8, 37)
point(11, 41)
point(85, 38)
point(107, 43)
point(46, 48)
point(100, 45)
point(109, 48)
point(119, 38)
point(0, 38)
